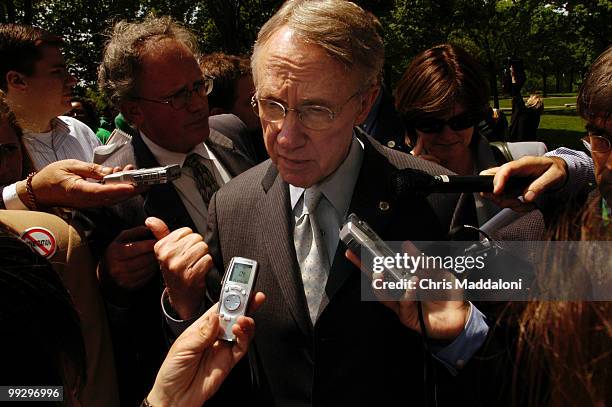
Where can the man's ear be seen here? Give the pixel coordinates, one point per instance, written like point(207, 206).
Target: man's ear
point(367, 101)
point(15, 80)
point(133, 113)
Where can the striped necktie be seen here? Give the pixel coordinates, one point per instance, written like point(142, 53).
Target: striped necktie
point(204, 178)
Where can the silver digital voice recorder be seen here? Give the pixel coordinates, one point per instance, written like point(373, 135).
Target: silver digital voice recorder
point(364, 242)
point(236, 291)
point(146, 176)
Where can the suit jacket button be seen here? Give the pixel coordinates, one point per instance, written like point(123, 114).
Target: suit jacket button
point(390, 143)
point(383, 206)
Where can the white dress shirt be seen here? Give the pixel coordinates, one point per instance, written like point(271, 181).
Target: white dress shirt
point(186, 185)
point(68, 138)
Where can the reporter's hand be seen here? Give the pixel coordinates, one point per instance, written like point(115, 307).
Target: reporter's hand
point(63, 183)
point(444, 320)
point(198, 362)
point(550, 173)
point(129, 261)
point(184, 261)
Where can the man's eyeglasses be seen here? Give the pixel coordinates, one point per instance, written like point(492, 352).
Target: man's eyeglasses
point(313, 117)
point(432, 125)
point(596, 144)
point(182, 98)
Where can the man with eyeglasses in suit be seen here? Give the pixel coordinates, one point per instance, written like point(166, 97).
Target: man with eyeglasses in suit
point(315, 67)
point(150, 72)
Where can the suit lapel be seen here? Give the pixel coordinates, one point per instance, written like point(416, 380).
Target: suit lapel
point(373, 201)
point(275, 220)
point(161, 201)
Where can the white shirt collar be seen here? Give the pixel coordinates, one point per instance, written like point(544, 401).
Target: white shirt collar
point(166, 157)
point(58, 125)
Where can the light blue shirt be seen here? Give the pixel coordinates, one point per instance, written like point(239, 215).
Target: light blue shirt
point(337, 191)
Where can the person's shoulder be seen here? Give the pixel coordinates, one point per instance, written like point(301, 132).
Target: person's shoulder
point(74, 124)
point(56, 231)
point(240, 195)
point(228, 131)
point(401, 160)
point(249, 181)
point(227, 124)
point(78, 129)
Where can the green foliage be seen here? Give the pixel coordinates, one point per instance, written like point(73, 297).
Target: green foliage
point(557, 39)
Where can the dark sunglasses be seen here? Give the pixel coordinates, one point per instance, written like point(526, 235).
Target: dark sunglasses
point(460, 122)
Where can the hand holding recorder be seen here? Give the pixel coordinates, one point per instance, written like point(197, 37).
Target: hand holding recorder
point(198, 363)
point(444, 320)
point(64, 183)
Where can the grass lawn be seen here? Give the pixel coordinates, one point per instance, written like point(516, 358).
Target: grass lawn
point(559, 125)
point(550, 102)
point(561, 130)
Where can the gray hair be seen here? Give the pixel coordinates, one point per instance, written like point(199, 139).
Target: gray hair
point(342, 28)
point(123, 53)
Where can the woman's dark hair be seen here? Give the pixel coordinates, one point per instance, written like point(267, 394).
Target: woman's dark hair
point(437, 79)
point(39, 327)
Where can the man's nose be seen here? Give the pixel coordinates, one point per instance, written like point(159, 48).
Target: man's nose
point(291, 134)
point(195, 102)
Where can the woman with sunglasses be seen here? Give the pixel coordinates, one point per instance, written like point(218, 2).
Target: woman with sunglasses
point(442, 97)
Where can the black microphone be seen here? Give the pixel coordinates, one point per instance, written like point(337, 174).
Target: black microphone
point(418, 182)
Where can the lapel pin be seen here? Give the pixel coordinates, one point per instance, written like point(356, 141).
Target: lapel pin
point(383, 206)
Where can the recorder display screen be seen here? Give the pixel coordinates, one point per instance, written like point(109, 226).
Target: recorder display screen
point(241, 273)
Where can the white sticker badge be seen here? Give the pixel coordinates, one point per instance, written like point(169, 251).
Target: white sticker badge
point(41, 240)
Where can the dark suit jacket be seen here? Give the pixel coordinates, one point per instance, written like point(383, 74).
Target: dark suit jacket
point(137, 324)
point(358, 353)
point(385, 124)
point(163, 201)
point(248, 141)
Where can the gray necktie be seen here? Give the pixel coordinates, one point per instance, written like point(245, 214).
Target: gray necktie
point(311, 252)
point(204, 178)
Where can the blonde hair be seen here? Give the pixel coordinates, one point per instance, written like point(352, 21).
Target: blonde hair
point(535, 102)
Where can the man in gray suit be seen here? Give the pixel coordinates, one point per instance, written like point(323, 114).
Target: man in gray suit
point(315, 65)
